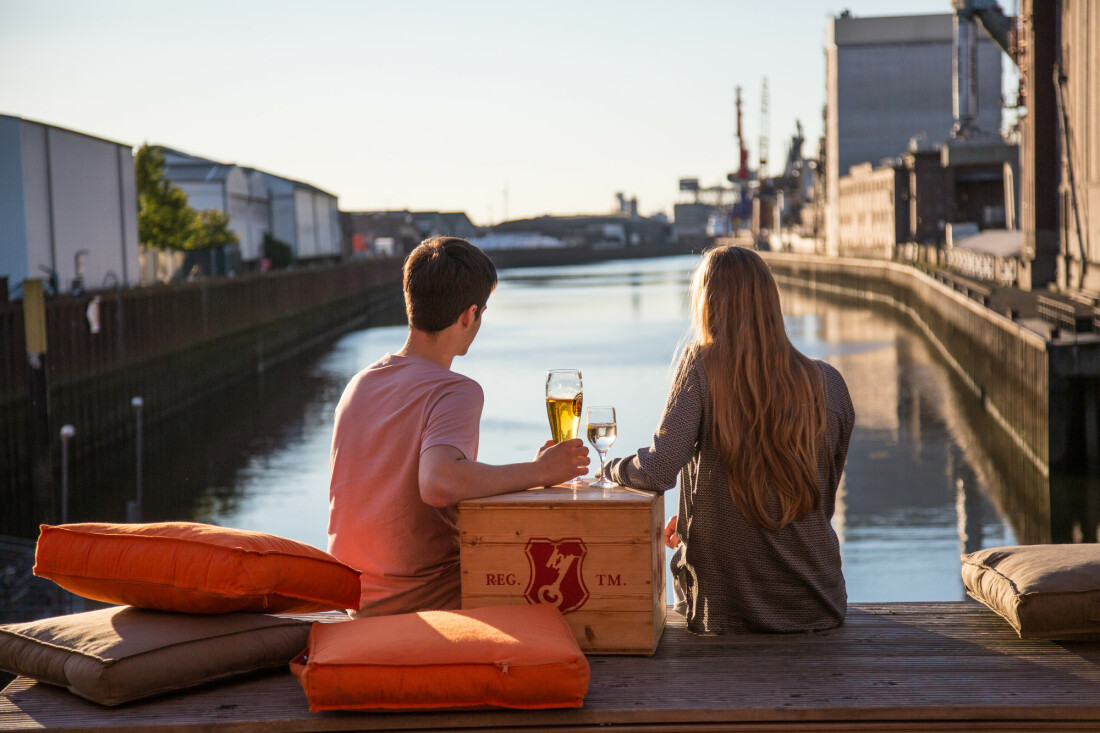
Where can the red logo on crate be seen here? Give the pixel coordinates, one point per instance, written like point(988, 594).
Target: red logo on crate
point(556, 573)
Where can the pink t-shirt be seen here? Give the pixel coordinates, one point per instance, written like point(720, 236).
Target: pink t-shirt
point(389, 414)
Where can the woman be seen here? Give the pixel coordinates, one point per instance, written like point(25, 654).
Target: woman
point(758, 433)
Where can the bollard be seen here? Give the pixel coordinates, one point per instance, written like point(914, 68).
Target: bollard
point(67, 432)
point(133, 508)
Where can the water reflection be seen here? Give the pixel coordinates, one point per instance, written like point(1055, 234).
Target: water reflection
point(929, 475)
point(198, 463)
point(911, 500)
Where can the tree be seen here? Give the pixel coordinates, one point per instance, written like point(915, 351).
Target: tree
point(212, 231)
point(165, 220)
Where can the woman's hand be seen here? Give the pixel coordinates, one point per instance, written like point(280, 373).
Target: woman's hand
point(672, 540)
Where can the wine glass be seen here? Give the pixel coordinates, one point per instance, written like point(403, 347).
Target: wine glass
point(564, 394)
point(602, 430)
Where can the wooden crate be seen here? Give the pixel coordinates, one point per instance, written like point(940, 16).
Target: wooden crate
point(598, 554)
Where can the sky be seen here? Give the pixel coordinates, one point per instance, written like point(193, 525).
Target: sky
point(499, 108)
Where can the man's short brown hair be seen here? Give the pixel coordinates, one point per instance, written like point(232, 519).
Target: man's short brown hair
point(444, 276)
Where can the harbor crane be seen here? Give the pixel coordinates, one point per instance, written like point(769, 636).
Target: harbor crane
point(964, 78)
point(743, 159)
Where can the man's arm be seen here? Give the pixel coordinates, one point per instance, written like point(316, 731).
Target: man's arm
point(447, 476)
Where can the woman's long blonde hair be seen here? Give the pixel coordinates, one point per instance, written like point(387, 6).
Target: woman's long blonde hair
point(768, 399)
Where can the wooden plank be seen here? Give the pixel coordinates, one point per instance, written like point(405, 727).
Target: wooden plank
point(657, 563)
point(897, 667)
point(660, 617)
point(615, 496)
point(484, 525)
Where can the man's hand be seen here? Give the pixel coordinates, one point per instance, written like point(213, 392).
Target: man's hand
point(672, 540)
point(562, 462)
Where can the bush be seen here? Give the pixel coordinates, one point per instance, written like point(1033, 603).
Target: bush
point(278, 252)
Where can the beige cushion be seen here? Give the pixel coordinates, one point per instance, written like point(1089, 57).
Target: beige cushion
point(1044, 591)
point(118, 654)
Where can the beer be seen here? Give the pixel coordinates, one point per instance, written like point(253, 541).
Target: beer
point(564, 390)
point(601, 436)
point(565, 416)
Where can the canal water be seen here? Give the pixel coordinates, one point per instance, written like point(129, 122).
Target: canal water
point(918, 489)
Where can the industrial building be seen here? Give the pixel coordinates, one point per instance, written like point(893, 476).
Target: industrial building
point(257, 202)
point(68, 209)
point(593, 231)
point(396, 233)
point(929, 194)
point(889, 80)
point(444, 224)
point(690, 221)
point(243, 196)
point(304, 216)
point(916, 198)
point(1076, 131)
point(874, 211)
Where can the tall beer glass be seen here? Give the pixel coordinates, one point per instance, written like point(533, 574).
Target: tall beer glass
point(564, 394)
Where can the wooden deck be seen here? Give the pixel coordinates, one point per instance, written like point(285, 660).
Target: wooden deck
point(896, 667)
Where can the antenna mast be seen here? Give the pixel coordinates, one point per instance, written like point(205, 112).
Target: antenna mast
point(764, 125)
point(743, 169)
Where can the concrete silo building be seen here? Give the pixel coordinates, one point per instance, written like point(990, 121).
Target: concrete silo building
point(888, 80)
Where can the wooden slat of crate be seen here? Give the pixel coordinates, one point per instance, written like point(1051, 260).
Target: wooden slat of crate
point(556, 511)
point(660, 610)
point(623, 565)
point(891, 667)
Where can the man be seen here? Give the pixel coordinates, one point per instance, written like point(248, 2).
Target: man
point(404, 448)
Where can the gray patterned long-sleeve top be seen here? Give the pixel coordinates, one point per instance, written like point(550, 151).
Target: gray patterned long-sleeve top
point(737, 576)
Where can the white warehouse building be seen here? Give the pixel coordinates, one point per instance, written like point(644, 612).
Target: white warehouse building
point(304, 216)
point(257, 202)
point(68, 208)
point(229, 189)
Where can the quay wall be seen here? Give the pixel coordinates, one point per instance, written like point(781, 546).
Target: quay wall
point(1004, 366)
point(170, 345)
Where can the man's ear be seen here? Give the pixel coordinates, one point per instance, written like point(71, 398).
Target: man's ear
point(468, 316)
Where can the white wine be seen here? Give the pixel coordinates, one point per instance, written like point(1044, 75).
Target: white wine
point(565, 416)
point(602, 436)
point(602, 431)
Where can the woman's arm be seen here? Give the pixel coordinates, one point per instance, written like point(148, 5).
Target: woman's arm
point(839, 402)
point(674, 443)
point(847, 424)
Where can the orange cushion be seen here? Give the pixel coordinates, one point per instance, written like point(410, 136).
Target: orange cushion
point(504, 656)
point(193, 568)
